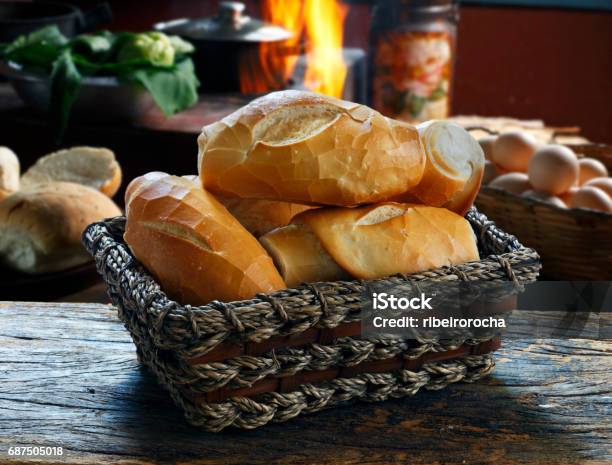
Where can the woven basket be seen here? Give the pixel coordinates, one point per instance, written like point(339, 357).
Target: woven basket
point(574, 244)
point(296, 351)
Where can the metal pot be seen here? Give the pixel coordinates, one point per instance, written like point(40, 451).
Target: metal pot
point(18, 18)
point(223, 42)
point(121, 101)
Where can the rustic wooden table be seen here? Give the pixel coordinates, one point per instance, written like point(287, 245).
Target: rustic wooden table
point(69, 378)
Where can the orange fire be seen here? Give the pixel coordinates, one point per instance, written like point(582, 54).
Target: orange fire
point(320, 23)
point(326, 69)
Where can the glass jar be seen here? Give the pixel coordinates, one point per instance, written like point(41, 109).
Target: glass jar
point(412, 47)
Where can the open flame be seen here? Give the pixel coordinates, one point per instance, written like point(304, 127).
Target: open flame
point(317, 27)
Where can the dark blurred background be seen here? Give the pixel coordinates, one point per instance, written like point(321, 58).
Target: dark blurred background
point(549, 63)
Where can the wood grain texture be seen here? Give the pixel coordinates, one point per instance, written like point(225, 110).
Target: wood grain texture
point(69, 377)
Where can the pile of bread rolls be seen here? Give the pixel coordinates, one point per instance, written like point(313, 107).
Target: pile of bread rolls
point(296, 187)
point(44, 212)
point(551, 173)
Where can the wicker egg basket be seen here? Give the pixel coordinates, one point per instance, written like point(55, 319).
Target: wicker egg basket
point(274, 357)
point(575, 244)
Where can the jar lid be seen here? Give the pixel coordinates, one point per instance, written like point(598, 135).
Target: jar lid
point(229, 25)
point(429, 3)
point(424, 5)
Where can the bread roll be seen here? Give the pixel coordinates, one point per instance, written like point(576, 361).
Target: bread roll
point(90, 166)
point(306, 148)
point(41, 225)
point(370, 242)
point(300, 257)
point(454, 168)
point(9, 172)
point(261, 216)
point(192, 245)
point(258, 216)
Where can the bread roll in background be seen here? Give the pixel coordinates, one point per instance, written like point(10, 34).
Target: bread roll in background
point(453, 171)
point(301, 147)
point(91, 166)
point(9, 172)
point(370, 242)
point(41, 225)
point(194, 247)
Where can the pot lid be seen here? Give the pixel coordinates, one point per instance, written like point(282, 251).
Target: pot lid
point(230, 25)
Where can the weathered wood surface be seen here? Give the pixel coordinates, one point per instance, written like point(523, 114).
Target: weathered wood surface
point(69, 377)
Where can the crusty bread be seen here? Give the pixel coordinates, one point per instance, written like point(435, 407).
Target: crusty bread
point(191, 243)
point(300, 257)
point(261, 216)
point(41, 225)
point(9, 172)
point(306, 148)
point(258, 216)
point(90, 166)
point(372, 242)
point(454, 168)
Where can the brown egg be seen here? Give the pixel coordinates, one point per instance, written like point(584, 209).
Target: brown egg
point(567, 196)
point(554, 169)
point(545, 197)
point(517, 183)
point(513, 150)
point(589, 168)
point(593, 198)
point(491, 171)
point(605, 184)
point(486, 143)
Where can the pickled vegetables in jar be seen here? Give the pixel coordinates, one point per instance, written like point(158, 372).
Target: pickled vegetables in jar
point(411, 58)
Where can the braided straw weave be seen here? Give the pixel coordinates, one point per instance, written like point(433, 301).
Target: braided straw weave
point(169, 336)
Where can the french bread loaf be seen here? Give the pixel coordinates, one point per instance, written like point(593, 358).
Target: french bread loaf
point(195, 248)
point(369, 242)
point(306, 148)
point(258, 216)
point(261, 216)
point(91, 166)
point(9, 172)
point(300, 257)
point(453, 170)
point(41, 225)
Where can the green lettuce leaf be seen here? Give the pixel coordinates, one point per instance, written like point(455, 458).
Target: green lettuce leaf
point(38, 50)
point(173, 89)
point(65, 84)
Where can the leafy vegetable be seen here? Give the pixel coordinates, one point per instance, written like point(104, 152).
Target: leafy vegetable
point(37, 50)
point(98, 44)
point(65, 82)
point(181, 47)
point(152, 60)
point(154, 47)
point(173, 88)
